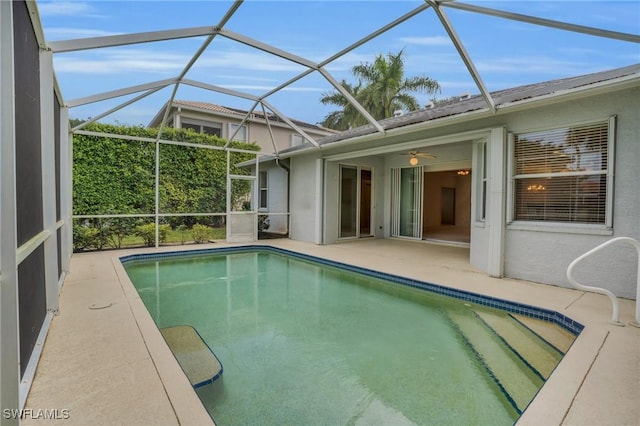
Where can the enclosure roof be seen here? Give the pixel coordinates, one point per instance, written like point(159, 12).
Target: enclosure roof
point(503, 100)
point(264, 103)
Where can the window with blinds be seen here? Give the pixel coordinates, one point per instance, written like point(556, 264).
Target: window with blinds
point(561, 175)
point(262, 183)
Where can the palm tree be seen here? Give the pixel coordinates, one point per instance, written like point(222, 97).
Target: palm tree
point(382, 89)
point(348, 116)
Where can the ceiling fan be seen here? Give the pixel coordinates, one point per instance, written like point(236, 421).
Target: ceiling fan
point(415, 154)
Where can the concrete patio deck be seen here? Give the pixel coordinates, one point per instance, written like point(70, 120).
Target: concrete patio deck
point(106, 363)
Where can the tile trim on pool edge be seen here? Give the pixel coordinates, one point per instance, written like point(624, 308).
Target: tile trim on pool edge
point(557, 318)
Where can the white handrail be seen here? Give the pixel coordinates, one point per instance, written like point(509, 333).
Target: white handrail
point(615, 319)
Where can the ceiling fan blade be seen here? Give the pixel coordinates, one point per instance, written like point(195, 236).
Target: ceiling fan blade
point(425, 155)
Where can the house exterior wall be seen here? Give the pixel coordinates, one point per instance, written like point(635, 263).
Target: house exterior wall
point(533, 251)
point(543, 255)
point(306, 197)
point(257, 131)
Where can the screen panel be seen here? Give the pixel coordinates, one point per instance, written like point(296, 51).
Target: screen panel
point(32, 303)
point(27, 116)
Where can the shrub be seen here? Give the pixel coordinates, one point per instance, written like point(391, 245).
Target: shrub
point(118, 230)
point(182, 229)
point(200, 233)
point(84, 237)
point(148, 233)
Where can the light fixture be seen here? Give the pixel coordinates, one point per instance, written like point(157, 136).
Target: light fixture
point(536, 188)
point(413, 160)
point(463, 172)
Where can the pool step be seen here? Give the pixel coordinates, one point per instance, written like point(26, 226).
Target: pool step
point(533, 350)
point(199, 363)
point(518, 381)
point(556, 336)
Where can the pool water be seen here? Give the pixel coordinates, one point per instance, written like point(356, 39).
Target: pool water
point(303, 343)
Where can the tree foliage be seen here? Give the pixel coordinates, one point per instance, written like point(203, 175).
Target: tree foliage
point(382, 88)
point(117, 176)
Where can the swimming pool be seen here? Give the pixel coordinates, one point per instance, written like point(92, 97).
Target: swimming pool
point(307, 342)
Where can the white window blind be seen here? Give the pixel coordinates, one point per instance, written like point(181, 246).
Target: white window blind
point(296, 139)
point(561, 175)
point(241, 134)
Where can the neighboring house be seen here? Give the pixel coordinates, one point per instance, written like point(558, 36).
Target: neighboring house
point(549, 175)
point(204, 117)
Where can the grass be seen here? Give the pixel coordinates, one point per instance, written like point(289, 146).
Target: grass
point(176, 237)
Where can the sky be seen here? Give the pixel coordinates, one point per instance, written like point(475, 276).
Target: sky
point(506, 53)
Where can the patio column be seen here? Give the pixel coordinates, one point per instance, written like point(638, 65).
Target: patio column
point(66, 189)
point(319, 198)
point(9, 349)
point(496, 200)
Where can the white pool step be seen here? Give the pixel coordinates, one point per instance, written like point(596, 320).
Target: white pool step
point(513, 375)
point(536, 352)
point(556, 336)
point(199, 363)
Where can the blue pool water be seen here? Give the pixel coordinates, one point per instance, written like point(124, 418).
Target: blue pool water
point(304, 343)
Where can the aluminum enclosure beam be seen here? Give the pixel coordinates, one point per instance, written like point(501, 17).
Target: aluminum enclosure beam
point(463, 54)
point(343, 52)
point(120, 92)
point(352, 100)
point(634, 38)
point(376, 33)
point(117, 108)
point(244, 120)
point(219, 89)
point(267, 48)
point(75, 45)
point(290, 123)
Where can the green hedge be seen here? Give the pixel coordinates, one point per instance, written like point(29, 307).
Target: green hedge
point(117, 176)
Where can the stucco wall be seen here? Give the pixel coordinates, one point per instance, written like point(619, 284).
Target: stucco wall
point(304, 197)
point(544, 256)
point(256, 131)
point(540, 253)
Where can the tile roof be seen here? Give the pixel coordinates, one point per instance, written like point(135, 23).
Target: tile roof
point(476, 102)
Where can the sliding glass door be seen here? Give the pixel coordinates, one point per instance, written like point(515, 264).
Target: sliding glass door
point(355, 201)
point(406, 202)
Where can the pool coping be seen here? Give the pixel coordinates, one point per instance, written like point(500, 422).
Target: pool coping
point(569, 324)
point(185, 403)
point(168, 369)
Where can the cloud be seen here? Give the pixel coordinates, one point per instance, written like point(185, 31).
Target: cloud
point(121, 61)
point(268, 88)
point(530, 65)
point(127, 60)
point(427, 41)
point(67, 8)
point(257, 61)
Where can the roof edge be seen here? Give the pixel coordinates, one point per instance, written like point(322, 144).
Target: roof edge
point(592, 89)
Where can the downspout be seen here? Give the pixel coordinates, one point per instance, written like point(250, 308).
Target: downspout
point(288, 170)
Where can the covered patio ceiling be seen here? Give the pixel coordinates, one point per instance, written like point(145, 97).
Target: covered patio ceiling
point(219, 30)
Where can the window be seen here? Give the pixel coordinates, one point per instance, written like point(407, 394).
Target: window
point(206, 128)
point(262, 185)
point(297, 139)
point(480, 173)
point(563, 174)
point(241, 135)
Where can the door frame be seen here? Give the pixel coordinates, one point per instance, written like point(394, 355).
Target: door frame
point(359, 168)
